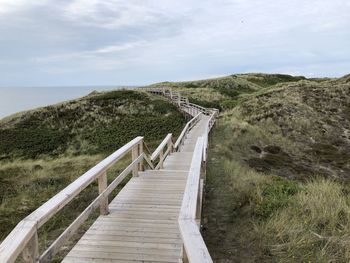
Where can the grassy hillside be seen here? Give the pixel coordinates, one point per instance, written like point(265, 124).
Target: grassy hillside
point(226, 92)
point(98, 123)
point(278, 179)
point(43, 150)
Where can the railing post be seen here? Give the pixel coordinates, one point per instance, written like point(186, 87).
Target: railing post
point(134, 155)
point(184, 255)
point(161, 155)
point(30, 253)
point(170, 145)
point(141, 166)
point(102, 185)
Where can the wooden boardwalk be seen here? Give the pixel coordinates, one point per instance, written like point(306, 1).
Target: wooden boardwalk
point(143, 222)
point(154, 218)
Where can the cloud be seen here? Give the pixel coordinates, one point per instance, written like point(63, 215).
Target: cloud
point(113, 40)
point(10, 6)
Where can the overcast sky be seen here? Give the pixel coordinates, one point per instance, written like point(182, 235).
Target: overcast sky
point(129, 42)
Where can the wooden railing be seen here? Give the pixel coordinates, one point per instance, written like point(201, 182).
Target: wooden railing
point(167, 145)
point(194, 248)
point(24, 237)
point(182, 102)
point(186, 130)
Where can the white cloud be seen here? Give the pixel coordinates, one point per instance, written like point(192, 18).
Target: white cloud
point(179, 39)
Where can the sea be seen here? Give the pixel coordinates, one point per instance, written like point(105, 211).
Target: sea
point(16, 99)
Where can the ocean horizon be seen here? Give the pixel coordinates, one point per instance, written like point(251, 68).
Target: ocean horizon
point(17, 99)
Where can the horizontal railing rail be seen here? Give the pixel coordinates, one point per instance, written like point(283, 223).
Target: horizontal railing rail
point(167, 144)
point(182, 102)
point(189, 125)
point(194, 248)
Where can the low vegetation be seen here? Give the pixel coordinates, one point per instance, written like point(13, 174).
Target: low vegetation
point(98, 123)
point(277, 185)
point(278, 169)
point(43, 150)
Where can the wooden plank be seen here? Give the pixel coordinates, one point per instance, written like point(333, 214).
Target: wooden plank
point(129, 250)
point(165, 207)
point(116, 228)
point(130, 244)
point(119, 223)
point(142, 239)
point(70, 259)
point(124, 256)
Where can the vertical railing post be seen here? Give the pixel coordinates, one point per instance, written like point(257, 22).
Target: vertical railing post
point(30, 253)
point(134, 155)
point(141, 166)
point(184, 255)
point(170, 145)
point(102, 185)
point(161, 155)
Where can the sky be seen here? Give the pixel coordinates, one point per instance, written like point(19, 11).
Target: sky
point(131, 42)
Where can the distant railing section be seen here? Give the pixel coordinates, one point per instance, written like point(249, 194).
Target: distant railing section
point(182, 102)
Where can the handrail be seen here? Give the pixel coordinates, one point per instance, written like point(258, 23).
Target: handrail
point(161, 146)
point(24, 237)
point(70, 230)
point(195, 249)
point(176, 98)
point(25, 233)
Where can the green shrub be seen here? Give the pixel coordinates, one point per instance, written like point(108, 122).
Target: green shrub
point(274, 196)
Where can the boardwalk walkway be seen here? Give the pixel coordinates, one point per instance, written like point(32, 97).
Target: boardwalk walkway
point(143, 222)
point(154, 218)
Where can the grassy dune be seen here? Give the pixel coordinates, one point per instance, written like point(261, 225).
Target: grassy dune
point(43, 150)
point(278, 169)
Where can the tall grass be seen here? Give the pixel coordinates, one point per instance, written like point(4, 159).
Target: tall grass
point(314, 227)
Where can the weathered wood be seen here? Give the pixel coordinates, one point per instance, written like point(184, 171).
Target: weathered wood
point(185, 130)
point(161, 159)
point(134, 155)
point(149, 162)
point(15, 242)
point(189, 203)
point(194, 246)
point(102, 185)
point(72, 228)
point(141, 166)
point(166, 142)
point(30, 253)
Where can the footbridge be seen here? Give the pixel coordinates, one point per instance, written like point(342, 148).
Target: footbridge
point(154, 218)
